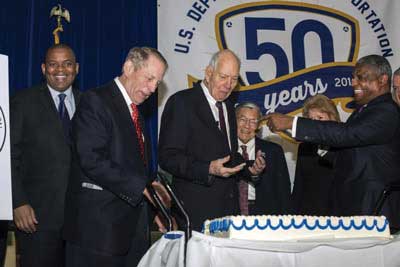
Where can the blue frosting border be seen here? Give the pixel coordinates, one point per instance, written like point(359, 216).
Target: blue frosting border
point(223, 225)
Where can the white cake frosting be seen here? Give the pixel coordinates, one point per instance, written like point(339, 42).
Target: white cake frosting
point(295, 227)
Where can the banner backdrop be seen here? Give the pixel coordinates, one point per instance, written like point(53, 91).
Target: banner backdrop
point(289, 50)
point(5, 165)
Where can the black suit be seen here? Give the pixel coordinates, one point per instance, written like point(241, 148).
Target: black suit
point(110, 219)
point(273, 187)
point(189, 140)
point(3, 241)
point(40, 159)
point(368, 158)
point(314, 181)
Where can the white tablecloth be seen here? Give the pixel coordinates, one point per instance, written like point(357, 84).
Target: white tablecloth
point(211, 251)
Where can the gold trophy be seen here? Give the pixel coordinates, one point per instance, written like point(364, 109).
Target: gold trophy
point(59, 13)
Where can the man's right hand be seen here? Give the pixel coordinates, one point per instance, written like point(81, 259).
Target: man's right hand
point(217, 167)
point(25, 218)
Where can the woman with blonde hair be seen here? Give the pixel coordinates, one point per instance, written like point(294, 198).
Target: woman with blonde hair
point(313, 184)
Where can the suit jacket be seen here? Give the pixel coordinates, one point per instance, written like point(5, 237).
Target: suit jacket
point(314, 181)
point(40, 155)
point(189, 140)
point(107, 158)
point(273, 186)
point(368, 159)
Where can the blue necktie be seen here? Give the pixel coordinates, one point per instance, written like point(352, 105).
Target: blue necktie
point(63, 113)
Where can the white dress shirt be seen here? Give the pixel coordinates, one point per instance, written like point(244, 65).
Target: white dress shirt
point(211, 101)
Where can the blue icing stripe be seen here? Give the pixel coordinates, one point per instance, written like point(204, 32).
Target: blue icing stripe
point(223, 225)
point(383, 227)
point(311, 227)
point(303, 222)
point(333, 227)
point(285, 227)
point(274, 227)
point(261, 227)
point(320, 226)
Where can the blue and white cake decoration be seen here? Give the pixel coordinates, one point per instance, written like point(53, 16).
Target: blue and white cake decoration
point(287, 227)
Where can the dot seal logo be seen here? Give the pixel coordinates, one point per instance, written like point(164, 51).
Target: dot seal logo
point(3, 129)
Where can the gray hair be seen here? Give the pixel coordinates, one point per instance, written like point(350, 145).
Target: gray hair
point(215, 58)
point(249, 105)
point(379, 63)
point(139, 56)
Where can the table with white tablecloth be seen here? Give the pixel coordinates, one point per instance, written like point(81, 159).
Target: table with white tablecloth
point(209, 251)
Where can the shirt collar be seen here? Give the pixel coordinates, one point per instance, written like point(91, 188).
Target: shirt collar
point(127, 99)
point(54, 93)
point(250, 144)
point(209, 97)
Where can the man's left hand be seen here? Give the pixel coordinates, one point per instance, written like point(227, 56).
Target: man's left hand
point(258, 165)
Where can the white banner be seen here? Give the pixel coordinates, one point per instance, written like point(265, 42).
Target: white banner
point(5, 164)
point(289, 50)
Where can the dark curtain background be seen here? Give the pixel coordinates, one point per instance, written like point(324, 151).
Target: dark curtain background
point(100, 32)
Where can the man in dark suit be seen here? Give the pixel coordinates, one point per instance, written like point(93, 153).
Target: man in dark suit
point(40, 158)
point(197, 137)
point(270, 192)
point(3, 241)
point(106, 219)
point(369, 142)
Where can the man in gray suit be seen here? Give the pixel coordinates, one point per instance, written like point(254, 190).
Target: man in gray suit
point(40, 158)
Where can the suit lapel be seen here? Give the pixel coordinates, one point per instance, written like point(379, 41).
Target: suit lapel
point(232, 125)
point(123, 114)
point(47, 103)
point(205, 114)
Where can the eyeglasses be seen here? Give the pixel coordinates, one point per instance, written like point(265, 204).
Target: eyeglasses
point(253, 122)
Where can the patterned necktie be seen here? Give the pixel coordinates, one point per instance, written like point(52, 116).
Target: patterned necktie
point(244, 188)
point(138, 128)
point(221, 116)
point(64, 116)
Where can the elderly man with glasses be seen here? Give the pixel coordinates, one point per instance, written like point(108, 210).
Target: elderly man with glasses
point(269, 193)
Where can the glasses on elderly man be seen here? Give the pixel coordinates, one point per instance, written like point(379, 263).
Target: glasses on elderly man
point(253, 122)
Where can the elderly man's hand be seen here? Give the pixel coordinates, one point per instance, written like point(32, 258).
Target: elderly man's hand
point(259, 164)
point(278, 122)
point(217, 167)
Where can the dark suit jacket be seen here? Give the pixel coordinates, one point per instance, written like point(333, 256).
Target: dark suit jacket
point(40, 155)
point(313, 183)
point(106, 154)
point(368, 159)
point(273, 187)
point(189, 140)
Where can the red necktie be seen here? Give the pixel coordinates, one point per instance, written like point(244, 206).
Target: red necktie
point(243, 188)
point(139, 133)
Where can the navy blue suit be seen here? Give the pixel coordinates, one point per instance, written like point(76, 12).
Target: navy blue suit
point(111, 217)
point(368, 158)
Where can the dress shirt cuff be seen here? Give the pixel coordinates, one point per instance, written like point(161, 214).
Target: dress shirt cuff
point(294, 126)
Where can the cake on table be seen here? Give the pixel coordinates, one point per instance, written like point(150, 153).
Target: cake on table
point(296, 227)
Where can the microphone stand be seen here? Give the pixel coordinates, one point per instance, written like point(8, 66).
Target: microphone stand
point(188, 229)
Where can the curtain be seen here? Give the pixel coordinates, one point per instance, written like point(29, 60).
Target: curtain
point(100, 32)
